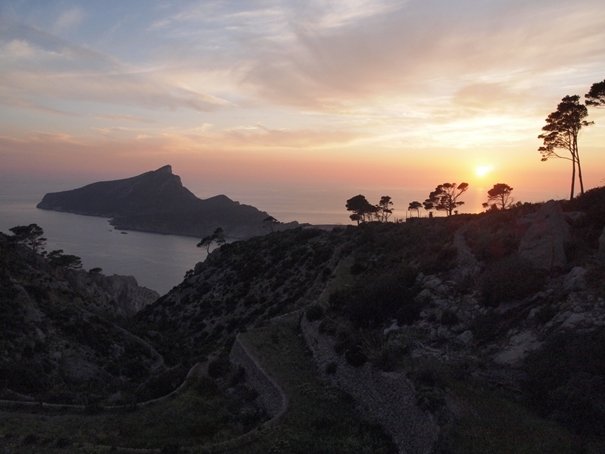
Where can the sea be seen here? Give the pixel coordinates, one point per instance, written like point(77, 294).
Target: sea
point(160, 262)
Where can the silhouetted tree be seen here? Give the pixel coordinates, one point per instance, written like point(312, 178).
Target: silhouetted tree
point(500, 195)
point(270, 222)
point(384, 208)
point(561, 132)
point(29, 235)
point(596, 96)
point(429, 206)
point(415, 205)
point(362, 209)
point(218, 237)
point(57, 258)
point(445, 197)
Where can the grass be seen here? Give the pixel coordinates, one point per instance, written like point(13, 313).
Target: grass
point(494, 423)
point(199, 415)
point(319, 419)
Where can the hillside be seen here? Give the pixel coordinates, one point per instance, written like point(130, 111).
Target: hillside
point(59, 340)
point(157, 201)
point(458, 307)
point(468, 334)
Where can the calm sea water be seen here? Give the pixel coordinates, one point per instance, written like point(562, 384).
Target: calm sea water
point(157, 261)
point(161, 261)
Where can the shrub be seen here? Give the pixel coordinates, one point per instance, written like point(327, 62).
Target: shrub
point(566, 380)
point(358, 268)
point(338, 299)
point(331, 368)
point(219, 367)
point(314, 312)
point(388, 359)
point(486, 327)
point(509, 279)
point(327, 326)
point(355, 356)
point(382, 297)
point(449, 318)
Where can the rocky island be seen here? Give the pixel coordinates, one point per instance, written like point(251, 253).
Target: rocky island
point(157, 202)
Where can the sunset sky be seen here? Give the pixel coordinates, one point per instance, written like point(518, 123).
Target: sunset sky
point(258, 98)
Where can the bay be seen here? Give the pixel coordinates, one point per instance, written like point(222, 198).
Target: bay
point(158, 262)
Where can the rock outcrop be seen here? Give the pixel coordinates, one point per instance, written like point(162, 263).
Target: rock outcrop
point(543, 244)
point(57, 342)
point(112, 296)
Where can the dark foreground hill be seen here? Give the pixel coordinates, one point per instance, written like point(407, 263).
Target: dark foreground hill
point(496, 322)
point(59, 337)
point(469, 334)
point(156, 201)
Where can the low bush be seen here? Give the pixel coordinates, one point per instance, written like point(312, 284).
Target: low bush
point(219, 367)
point(355, 356)
point(449, 318)
point(510, 279)
point(382, 297)
point(314, 312)
point(566, 381)
point(331, 368)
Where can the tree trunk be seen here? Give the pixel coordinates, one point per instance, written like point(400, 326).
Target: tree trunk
point(579, 166)
point(573, 177)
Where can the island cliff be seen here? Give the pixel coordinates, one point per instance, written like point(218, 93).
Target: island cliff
point(157, 202)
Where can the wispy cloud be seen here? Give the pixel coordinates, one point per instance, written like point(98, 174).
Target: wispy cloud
point(418, 47)
point(38, 65)
point(389, 78)
point(68, 20)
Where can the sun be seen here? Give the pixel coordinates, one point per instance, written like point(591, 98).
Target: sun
point(483, 170)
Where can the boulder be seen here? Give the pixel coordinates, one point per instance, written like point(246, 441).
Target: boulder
point(465, 338)
point(575, 279)
point(543, 244)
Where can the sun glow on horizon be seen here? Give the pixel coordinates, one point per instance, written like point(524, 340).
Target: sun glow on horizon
point(483, 170)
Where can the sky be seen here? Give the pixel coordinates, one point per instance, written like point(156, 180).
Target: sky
point(298, 103)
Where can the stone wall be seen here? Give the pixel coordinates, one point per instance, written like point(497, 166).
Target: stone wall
point(388, 397)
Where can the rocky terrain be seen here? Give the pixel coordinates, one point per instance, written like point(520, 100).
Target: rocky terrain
point(58, 341)
point(468, 334)
point(157, 202)
point(480, 299)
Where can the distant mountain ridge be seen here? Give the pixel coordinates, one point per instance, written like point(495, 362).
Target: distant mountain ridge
point(156, 201)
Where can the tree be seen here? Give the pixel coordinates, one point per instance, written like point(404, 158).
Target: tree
point(58, 259)
point(561, 132)
point(500, 194)
point(445, 197)
point(270, 222)
point(30, 235)
point(361, 209)
point(415, 205)
point(596, 96)
point(218, 237)
point(384, 208)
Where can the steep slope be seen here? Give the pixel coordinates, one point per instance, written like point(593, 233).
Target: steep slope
point(56, 343)
point(238, 286)
point(150, 192)
point(156, 201)
point(457, 307)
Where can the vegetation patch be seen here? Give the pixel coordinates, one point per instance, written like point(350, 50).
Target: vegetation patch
point(319, 419)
